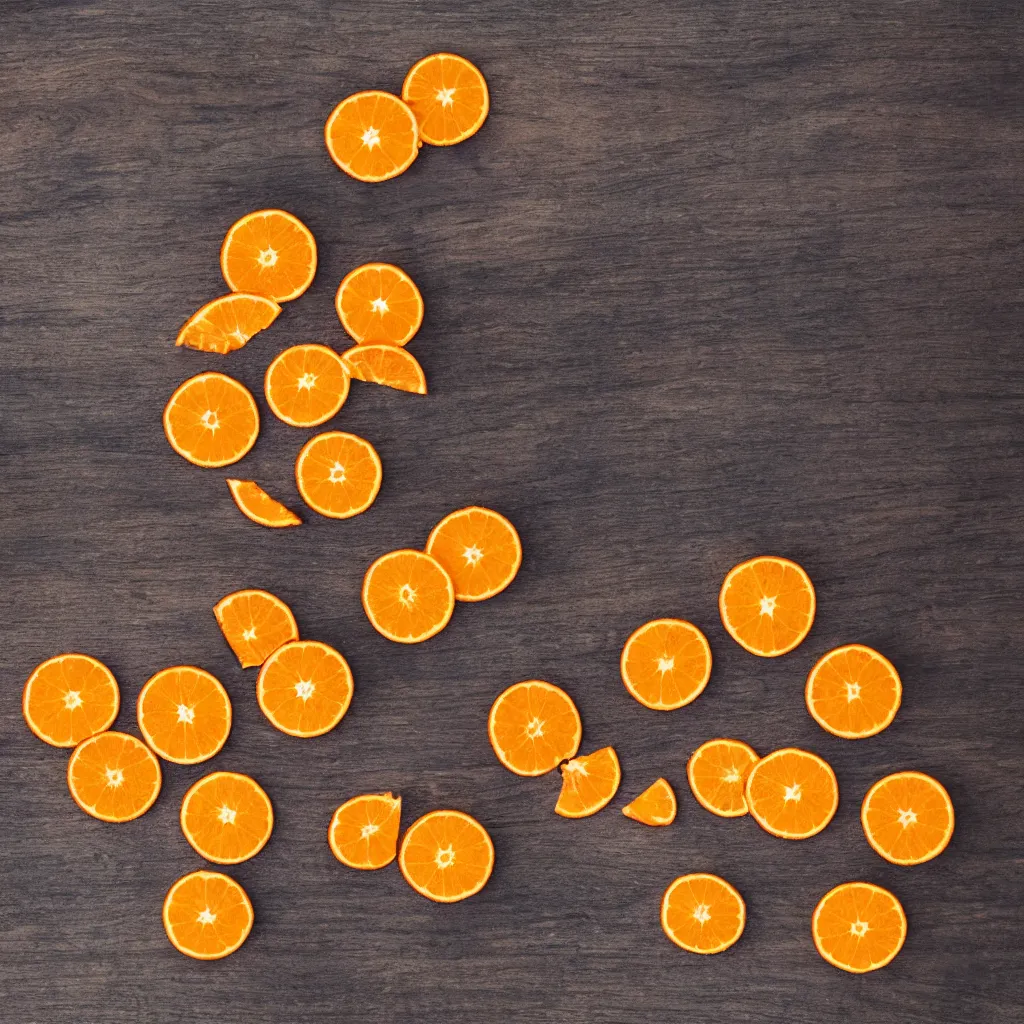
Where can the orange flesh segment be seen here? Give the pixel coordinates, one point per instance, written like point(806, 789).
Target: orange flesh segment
point(407, 596)
point(269, 253)
point(364, 831)
point(446, 856)
point(449, 97)
point(211, 420)
point(255, 623)
point(207, 915)
point(227, 817)
point(255, 504)
point(184, 714)
point(379, 303)
point(533, 726)
point(588, 783)
point(338, 474)
point(304, 688)
point(69, 698)
point(656, 805)
point(480, 549)
point(907, 818)
point(306, 385)
point(227, 323)
point(666, 664)
point(859, 927)
point(114, 777)
point(702, 913)
point(792, 793)
point(853, 692)
point(717, 772)
point(372, 136)
point(385, 364)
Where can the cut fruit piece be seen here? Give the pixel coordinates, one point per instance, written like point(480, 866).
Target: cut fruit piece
point(69, 698)
point(227, 323)
point(767, 605)
point(372, 136)
point(379, 304)
point(717, 772)
point(853, 692)
point(270, 253)
point(703, 913)
point(588, 783)
point(792, 793)
point(305, 688)
point(227, 817)
point(656, 805)
point(254, 503)
point(407, 596)
point(907, 817)
point(306, 385)
point(184, 714)
point(479, 548)
point(446, 856)
point(533, 727)
point(666, 664)
point(207, 915)
point(859, 927)
point(255, 623)
point(114, 776)
point(211, 420)
point(338, 474)
point(389, 365)
point(449, 97)
point(364, 831)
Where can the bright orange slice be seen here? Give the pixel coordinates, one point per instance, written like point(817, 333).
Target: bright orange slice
point(227, 323)
point(767, 605)
point(184, 714)
point(379, 304)
point(853, 692)
point(211, 420)
point(792, 793)
point(338, 474)
point(703, 913)
point(114, 776)
point(305, 688)
point(270, 253)
point(534, 726)
point(227, 817)
point(255, 623)
point(449, 97)
point(588, 783)
point(717, 772)
point(407, 596)
point(254, 503)
point(306, 385)
point(479, 548)
point(656, 805)
point(907, 817)
point(666, 664)
point(69, 698)
point(446, 856)
point(385, 364)
point(372, 136)
point(859, 927)
point(207, 915)
point(364, 830)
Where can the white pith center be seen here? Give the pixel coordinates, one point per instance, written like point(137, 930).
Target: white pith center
point(307, 381)
point(576, 768)
point(239, 335)
point(666, 665)
point(267, 257)
point(209, 420)
point(852, 692)
point(227, 815)
point(371, 138)
point(907, 817)
point(337, 474)
point(792, 792)
point(731, 776)
point(445, 858)
point(206, 916)
point(444, 97)
point(304, 689)
point(702, 913)
point(72, 700)
point(768, 606)
point(407, 595)
point(368, 830)
point(249, 634)
point(859, 929)
point(379, 306)
point(472, 555)
point(534, 728)
point(115, 777)
point(186, 714)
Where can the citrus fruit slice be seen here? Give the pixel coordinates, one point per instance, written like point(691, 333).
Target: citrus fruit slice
point(227, 323)
point(588, 783)
point(859, 927)
point(389, 365)
point(306, 385)
point(703, 913)
point(364, 830)
point(211, 420)
point(479, 548)
point(207, 915)
point(853, 692)
point(372, 136)
point(255, 623)
point(534, 726)
point(305, 688)
point(379, 304)
point(338, 474)
point(254, 503)
point(656, 805)
point(227, 817)
point(184, 714)
point(792, 793)
point(717, 772)
point(767, 605)
point(446, 856)
point(907, 817)
point(114, 776)
point(270, 253)
point(69, 698)
point(407, 596)
point(666, 664)
point(449, 97)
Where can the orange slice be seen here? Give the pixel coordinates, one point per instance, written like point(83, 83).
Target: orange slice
point(338, 474)
point(207, 915)
point(226, 817)
point(449, 97)
point(306, 385)
point(114, 776)
point(533, 727)
point(792, 793)
point(372, 136)
point(227, 323)
point(211, 420)
point(378, 303)
point(717, 772)
point(446, 856)
point(907, 817)
point(69, 698)
point(255, 623)
point(305, 688)
point(184, 714)
point(859, 927)
point(407, 596)
point(364, 830)
point(666, 664)
point(656, 805)
point(254, 503)
point(479, 548)
point(703, 913)
point(588, 783)
point(853, 692)
point(270, 253)
point(385, 364)
point(767, 605)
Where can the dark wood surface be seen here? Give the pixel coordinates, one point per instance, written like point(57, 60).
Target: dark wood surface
point(713, 280)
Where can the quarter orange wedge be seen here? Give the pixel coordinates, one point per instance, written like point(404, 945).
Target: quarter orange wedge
point(338, 474)
point(207, 915)
point(907, 818)
point(304, 688)
point(379, 304)
point(364, 831)
point(255, 623)
point(306, 385)
point(666, 664)
point(269, 253)
point(69, 698)
point(717, 772)
point(446, 856)
point(480, 549)
point(588, 783)
point(389, 365)
point(227, 817)
point(859, 927)
point(449, 97)
point(372, 136)
point(792, 793)
point(656, 805)
point(534, 726)
point(255, 504)
point(113, 776)
point(703, 913)
point(407, 596)
point(211, 420)
point(227, 323)
point(853, 692)
point(184, 714)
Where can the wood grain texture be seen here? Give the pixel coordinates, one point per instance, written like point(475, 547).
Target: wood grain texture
point(713, 279)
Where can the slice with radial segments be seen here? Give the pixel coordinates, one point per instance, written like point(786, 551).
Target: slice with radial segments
point(446, 856)
point(656, 805)
point(666, 664)
point(449, 97)
point(255, 623)
point(270, 253)
point(853, 692)
point(703, 913)
point(588, 783)
point(227, 817)
point(211, 420)
point(717, 772)
point(306, 385)
point(304, 688)
point(792, 793)
point(479, 548)
point(207, 915)
point(184, 714)
point(227, 323)
point(372, 136)
point(364, 830)
point(114, 776)
point(379, 304)
point(907, 817)
point(533, 727)
point(407, 596)
point(70, 698)
point(389, 365)
point(255, 504)
point(859, 927)
point(338, 474)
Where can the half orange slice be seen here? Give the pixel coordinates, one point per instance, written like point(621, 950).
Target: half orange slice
point(228, 322)
point(656, 805)
point(254, 503)
point(389, 365)
point(588, 783)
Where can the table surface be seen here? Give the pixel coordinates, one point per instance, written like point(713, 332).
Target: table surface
point(713, 280)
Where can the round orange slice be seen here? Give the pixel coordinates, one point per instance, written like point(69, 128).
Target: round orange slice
point(270, 253)
point(372, 136)
point(385, 364)
point(446, 856)
point(666, 664)
point(703, 913)
point(364, 831)
point(449, 97)
point(184, 714)
point(907, 817)
point(254, 503)
point(207, 915)
point(533, 727)
point(717, 772)
point(211, 420)
point(379, 304)
point(227, 817)
point(70, 698)
point(859, 927)
point(588, 783)
point(479, 548)
point(792, 793)
point(853, 692)
point(228, 322)
point(656, 805)
point(114, 776)
point(767, 605)
point(255, 623)
point(338, 474)
point(304, 688)
point(407, 596)
point(306, 385)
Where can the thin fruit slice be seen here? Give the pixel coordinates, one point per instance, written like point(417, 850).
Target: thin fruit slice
point(767, 605)
point(907, 817)
point(446, 856)
point(184, 714)
point(379, 304)
point(254, 503)
point(588, 783)
point(70, 698)
point(853, 692)
point(859, 927)
point(449, 97)
point(792, 793)
point(364, 830)
point(479, 548)
point(703, 913)
point(717, 772)
point(407, 596)
point(305, 688)
point(207, 915)
point(656, 805)
point(255, 623)
point(338, 474)
point(386, 364)
point(372, 136)
point(270, 253)
point(227, 817)
point(227, 323)
point(114, 776)
point(306, 385)
point(534, 726)
point(211, 420)
point(666, 664)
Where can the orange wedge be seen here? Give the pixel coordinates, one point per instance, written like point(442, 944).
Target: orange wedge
point(534, 726)
point(184, 714)
point(255, 623)
point(907, 818)
point(69, 698)
point(446, 856)
point(270, 253)
point(703, 913)
point(859, 927)
point(656, 805)
point(211, 420)
point(449, 97)
point(792, 793)
point(379, 304)
point(717, 772)
point(588, 783)
point(227, 817)
point(407, 596)
point(666, 664)
point(114, 776)
point(338, 474)
point(364, 831)
point(372, 136)
point(479, 548)
point(255, 504)
point(227, 323)
point(306, 385)
point(385, 364)
point(853, 692)
point(304, 688)
point(207, 915)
